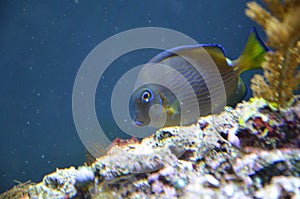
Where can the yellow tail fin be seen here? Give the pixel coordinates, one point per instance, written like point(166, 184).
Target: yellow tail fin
point(253, 53)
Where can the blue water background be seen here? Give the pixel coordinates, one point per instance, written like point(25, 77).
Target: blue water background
point(43, 44)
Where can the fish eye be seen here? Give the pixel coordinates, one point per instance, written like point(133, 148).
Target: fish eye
point(146, 96)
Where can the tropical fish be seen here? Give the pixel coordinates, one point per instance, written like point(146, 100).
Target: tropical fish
point(192, 83)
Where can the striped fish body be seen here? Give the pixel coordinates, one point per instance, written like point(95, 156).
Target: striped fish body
point(206, 73)
point(194, 81)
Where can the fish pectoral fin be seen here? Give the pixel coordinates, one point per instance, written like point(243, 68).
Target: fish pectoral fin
point(173, 110)
point(169, 110)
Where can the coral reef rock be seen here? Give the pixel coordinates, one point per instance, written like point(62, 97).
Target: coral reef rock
point(251, 151)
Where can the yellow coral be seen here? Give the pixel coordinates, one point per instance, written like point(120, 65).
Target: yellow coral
point(281, 23)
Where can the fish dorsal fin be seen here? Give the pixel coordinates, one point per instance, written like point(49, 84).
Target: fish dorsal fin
point(215, 51)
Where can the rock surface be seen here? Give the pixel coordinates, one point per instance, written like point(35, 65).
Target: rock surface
point(251, 151)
